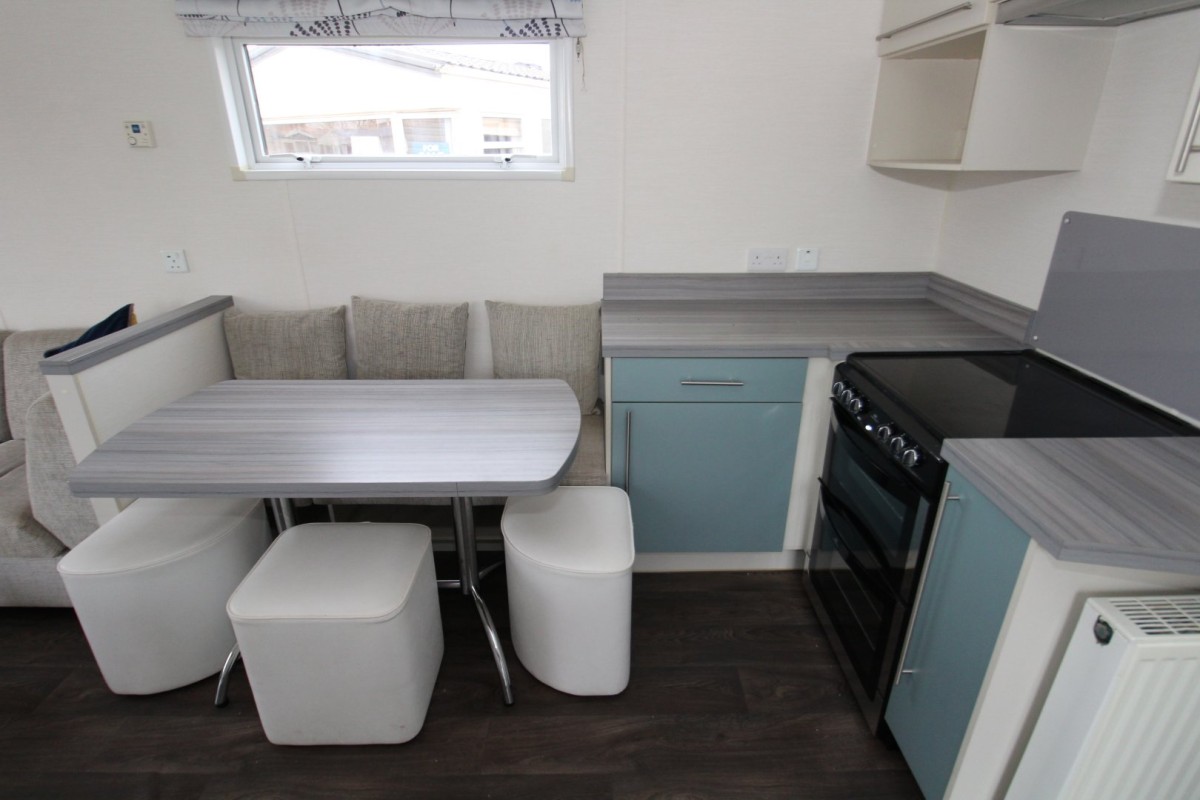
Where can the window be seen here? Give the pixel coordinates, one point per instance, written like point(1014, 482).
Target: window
point(427, 109)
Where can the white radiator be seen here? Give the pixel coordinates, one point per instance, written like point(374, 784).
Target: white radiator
point(1122, 720)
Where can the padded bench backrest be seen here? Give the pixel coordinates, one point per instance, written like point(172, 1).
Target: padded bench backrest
point(23, 380)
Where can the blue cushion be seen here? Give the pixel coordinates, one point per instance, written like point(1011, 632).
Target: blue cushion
point(119, 320)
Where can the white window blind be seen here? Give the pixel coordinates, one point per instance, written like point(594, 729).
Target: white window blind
point(462, 19)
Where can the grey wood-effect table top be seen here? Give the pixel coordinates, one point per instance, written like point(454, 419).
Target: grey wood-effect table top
point(827, 328)
point(1131, 503)
point(353, 438)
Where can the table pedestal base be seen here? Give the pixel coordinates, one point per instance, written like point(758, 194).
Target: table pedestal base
point(469, 575)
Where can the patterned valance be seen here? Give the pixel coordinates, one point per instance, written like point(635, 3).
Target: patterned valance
point(468, 19)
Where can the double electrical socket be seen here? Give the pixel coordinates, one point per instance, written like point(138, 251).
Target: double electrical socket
point(775, 259)
point(174, 260)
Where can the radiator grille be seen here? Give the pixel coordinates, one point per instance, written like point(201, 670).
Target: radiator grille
point(1161, 616)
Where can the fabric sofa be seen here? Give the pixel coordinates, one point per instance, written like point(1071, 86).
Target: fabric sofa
point(39, 518)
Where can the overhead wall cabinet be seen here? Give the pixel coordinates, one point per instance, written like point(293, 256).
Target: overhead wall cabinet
point(1185, 164)
point(705, 447)
point(961, 93)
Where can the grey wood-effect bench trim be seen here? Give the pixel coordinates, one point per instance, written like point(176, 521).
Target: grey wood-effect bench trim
point(89, 355)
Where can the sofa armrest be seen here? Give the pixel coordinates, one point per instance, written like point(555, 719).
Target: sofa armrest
point(48, 463)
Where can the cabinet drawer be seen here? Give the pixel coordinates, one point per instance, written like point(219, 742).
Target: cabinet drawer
point(709, 380)
point(909, 23)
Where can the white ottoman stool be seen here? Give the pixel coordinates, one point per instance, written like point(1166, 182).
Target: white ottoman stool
point(569, 558)
point(150, 586)
point(341, 633)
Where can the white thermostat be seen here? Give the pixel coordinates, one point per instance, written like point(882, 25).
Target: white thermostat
point(139, 134)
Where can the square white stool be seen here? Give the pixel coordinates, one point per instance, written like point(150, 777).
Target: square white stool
point(569, 560)
point(150, 586)
point(341, 633)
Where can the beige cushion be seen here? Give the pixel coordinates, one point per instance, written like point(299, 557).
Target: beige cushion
point(23, 379)
point(588, 467)
point(49, 462)
point(548, 342)
point(20, 534)
point(287, 345)
point(409, 340)
point(12, 455)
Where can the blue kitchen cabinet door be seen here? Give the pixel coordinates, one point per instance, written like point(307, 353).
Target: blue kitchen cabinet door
point(706, 477)
point(969, 582)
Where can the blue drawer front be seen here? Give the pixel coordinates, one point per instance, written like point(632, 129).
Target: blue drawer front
point(709, 380)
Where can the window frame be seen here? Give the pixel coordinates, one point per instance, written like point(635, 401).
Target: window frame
point(247, 135)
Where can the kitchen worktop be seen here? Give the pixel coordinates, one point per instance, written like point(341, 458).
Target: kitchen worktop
point(800, 315)
point(1131, 503)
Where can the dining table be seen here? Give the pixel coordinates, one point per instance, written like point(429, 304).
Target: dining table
point(285, 439)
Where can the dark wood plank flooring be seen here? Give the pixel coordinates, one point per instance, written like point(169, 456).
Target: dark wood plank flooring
point(734, 694)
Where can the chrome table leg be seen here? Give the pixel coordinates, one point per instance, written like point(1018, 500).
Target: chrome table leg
point(223, 682)
point(468, 568)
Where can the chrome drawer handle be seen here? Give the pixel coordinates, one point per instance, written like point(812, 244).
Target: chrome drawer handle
point(712, 383)
point(628, 447)
point(930, 18)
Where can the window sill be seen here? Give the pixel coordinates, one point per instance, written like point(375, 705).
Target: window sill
point(553, 174)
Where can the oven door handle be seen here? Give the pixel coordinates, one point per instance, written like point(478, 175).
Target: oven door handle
point(861, 572)
point(947, 498)
point(884, 470)
point(839, 506)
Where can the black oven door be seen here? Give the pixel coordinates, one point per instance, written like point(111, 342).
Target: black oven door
point(849, 576)
point(891, 509)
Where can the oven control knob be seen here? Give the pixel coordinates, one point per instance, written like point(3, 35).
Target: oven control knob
point(846, 397)
point(911, 457)
point(884, 432)
point(838, 386)
point(857, 405)
point(898, 444)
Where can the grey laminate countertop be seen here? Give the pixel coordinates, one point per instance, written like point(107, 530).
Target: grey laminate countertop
point(801, 315)
point(829, 328)
point(1118, 502)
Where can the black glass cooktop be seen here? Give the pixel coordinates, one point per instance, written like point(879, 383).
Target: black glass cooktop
point(1009, 395)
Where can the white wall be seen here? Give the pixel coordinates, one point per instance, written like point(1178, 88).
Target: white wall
point(999, 232)
point(744, 130)
point(693, 142)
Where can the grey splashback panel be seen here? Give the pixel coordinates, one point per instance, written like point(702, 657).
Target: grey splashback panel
point(1122, 301)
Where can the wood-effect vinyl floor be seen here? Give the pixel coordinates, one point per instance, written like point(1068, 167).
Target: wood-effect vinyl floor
point(734, 694)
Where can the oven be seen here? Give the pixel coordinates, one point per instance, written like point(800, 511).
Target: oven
point(883, 478)
point(874, 517)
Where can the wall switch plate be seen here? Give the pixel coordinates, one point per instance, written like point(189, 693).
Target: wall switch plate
point(808, 258)
point(767, 259)
point(139, 134)
point(174, 261)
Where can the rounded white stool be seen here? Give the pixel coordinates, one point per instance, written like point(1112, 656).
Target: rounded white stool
point(150, 586)
point(341, 633)
point(569, 561)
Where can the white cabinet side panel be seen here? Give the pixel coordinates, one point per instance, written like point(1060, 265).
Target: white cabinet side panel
point(1048, 599)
